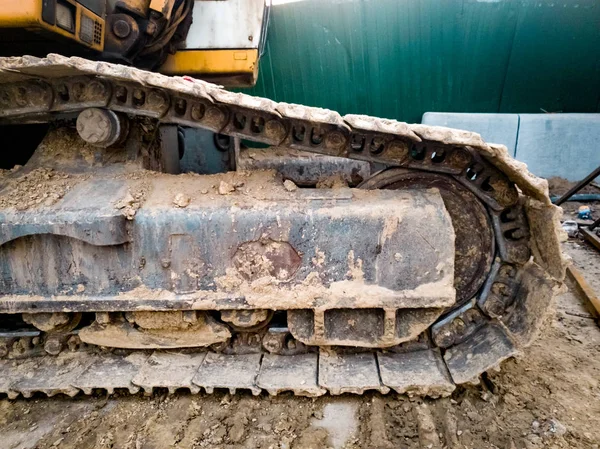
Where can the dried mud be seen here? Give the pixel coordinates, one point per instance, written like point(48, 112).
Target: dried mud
point(41, 186)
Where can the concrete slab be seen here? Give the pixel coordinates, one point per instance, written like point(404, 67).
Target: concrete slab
point(565, 145)
point(494, 128)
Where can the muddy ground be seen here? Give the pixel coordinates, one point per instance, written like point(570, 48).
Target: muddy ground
point(548, 398)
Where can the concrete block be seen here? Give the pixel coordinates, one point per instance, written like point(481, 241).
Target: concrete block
point(494, 128)
point(565, 145)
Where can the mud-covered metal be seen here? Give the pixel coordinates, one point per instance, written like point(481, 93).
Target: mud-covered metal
point(523, 220)
point(259, 246)
point(474, 237)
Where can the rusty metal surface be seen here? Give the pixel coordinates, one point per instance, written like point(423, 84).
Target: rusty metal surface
point(584, 288)
point(304, 168)
point(591, 236)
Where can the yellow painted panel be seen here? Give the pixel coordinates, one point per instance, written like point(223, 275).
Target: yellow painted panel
point(28, 14)
point(21, 13)
point(214, 64)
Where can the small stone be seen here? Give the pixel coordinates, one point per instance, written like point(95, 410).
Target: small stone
point(204, 191)
point(289, 185)
point(225, 188)
point(555, 428)
point(57, 442)
point(236, 432)
point(181, 200)
point(459, 432)
point(129, 212)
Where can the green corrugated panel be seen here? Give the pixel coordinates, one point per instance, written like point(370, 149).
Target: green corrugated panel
point(400, 58)
point(555, 63)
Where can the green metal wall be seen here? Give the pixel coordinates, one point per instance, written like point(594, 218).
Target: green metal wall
point(400, 58)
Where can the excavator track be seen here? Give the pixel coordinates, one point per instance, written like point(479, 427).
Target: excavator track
point(490, 319)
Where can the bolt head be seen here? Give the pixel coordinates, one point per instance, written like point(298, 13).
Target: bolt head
point(156, 99)
point(275, 129)
point(53, 347)
point(335, 140)
point(121, 29)
point(95, 126)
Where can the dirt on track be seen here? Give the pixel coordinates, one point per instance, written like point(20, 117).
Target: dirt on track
point(547, 398)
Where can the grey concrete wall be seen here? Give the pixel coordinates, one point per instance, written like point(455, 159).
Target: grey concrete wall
point(565, 145)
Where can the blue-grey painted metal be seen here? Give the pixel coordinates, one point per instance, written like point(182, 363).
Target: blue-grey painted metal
point(174, 251)
point(201, 155)
point(565, 145)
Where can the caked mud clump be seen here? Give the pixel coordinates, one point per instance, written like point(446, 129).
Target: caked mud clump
point(39, 187)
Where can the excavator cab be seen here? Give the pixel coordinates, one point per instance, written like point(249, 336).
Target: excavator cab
point(219, 41)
